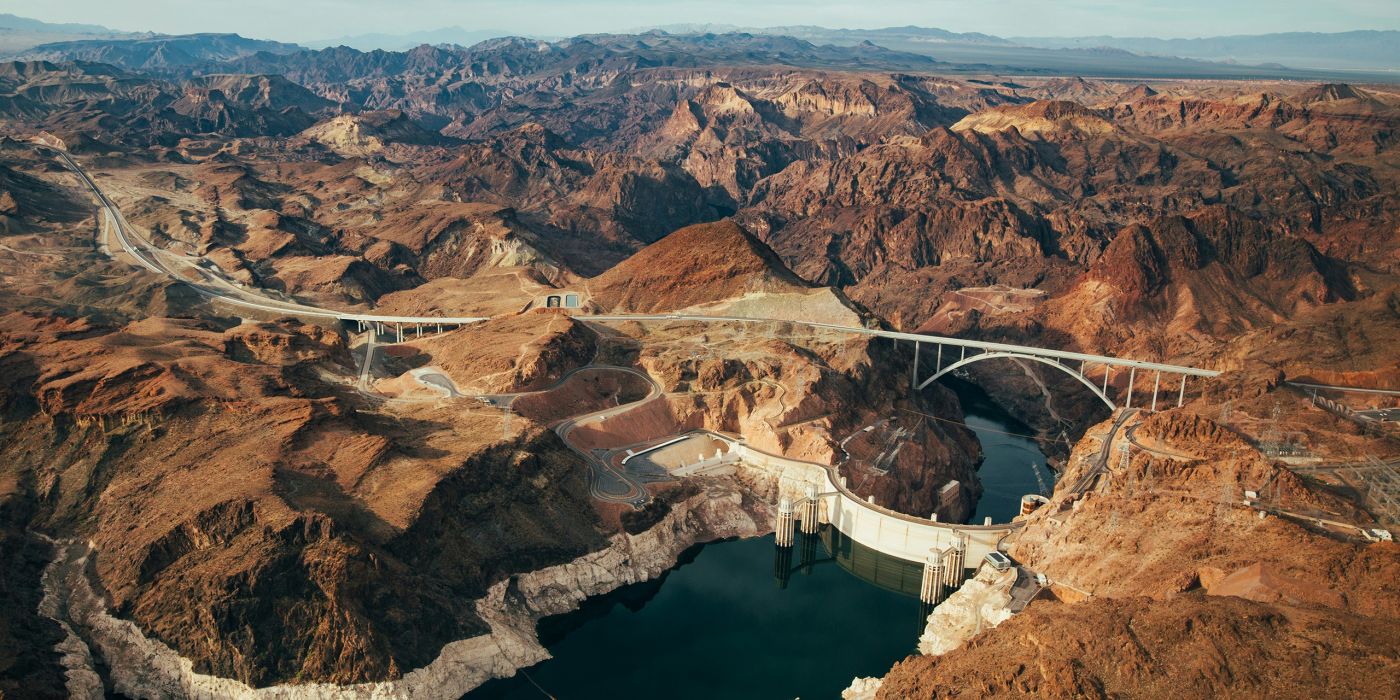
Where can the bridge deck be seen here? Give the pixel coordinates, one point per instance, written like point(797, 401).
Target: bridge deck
point(148, 260)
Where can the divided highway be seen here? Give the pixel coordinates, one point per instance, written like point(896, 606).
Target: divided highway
point(216, 287)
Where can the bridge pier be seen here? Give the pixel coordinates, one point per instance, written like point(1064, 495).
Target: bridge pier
point(783, 529)
point(1181, 397)
point(1132, 377)
point(914, 380)
point(1156, 383)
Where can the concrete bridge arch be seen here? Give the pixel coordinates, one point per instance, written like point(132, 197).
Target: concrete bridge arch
point(1022, 356)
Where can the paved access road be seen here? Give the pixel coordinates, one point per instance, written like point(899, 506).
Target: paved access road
point(192, 271)
point(607, 480)
point(1089, 478)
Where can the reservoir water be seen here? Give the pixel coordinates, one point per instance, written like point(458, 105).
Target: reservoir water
point(743, 619)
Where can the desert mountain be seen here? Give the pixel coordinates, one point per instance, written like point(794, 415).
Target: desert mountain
point(156, 52)
point(1044, 117)
point(371, 132)
point(732, 261)
point(716, 268)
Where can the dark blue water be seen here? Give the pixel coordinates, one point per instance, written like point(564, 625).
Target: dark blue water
point(1011, 459)
point(743, 619)
point(720, 626)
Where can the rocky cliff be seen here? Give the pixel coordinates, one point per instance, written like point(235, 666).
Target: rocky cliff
point(1171, 581)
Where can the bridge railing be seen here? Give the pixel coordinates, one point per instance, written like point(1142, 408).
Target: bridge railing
point(918, 337)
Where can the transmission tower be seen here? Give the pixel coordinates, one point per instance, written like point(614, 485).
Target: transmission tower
point(1271, 440)
point(1044, 490)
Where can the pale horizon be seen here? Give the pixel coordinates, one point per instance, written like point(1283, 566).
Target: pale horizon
point(319, 20)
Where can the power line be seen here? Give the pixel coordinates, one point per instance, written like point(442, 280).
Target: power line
point(965, 425)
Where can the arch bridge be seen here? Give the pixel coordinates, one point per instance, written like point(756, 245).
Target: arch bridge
point(1080, 366)
point(1098, 373)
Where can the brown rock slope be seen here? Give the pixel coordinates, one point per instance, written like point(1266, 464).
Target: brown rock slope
point(716, 269)
point(696, 265)
point(1192, 594)
point(249, 516)
point(520, 352)
point(1343, 344)
point(1165, 520)
point(1191, 646)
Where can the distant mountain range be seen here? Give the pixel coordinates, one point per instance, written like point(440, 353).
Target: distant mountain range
point(20, 33)
point(158, 52)
point(25, 24)
point(455, 36)
point(1367, 50)
point(816, 33)
point(1359, 50)
point(1358, 55)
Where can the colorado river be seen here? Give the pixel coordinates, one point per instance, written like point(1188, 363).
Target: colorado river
point(738, 619)
point(1010, 461)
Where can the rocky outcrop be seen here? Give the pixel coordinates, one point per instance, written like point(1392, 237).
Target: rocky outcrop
point(802, 401)
point(522, 352)
point(1188, 647)
point(697, 264)
point(369, 133)
point(982, 603)
point(1047, 118)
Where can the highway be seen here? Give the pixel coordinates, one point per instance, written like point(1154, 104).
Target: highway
point(601, 469)
point(1346, 389)
point(603, 474)
point(216, 287)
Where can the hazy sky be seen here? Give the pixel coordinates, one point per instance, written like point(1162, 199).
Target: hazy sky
point(305, 20)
